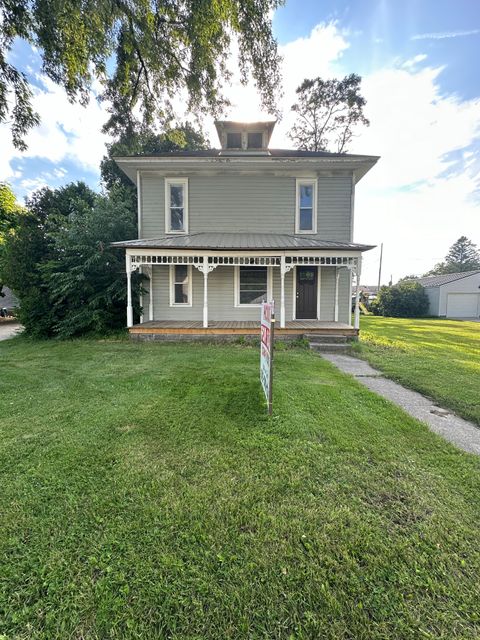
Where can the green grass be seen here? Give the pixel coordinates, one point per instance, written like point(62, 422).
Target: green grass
point(146, 494)
point(440, 358)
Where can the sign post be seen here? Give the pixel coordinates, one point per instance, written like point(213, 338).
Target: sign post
point(267, 321)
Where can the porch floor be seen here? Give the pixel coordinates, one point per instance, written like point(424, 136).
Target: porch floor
point(241, 327)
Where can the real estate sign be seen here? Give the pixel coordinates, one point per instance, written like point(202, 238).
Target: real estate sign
point(267, 321)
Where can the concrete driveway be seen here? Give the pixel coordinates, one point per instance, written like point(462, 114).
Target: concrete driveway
point(9, 329)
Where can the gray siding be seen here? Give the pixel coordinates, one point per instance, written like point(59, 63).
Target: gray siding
point(433, 294)
point(327, 294)
point(240, 203)
point(344, 297)
point(221, 291)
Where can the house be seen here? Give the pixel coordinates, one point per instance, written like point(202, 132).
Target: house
point(369, 292)
point(221, 230)
point(8, 300)
point(453, 295)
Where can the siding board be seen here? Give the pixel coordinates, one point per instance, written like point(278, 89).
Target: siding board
point(256, 204)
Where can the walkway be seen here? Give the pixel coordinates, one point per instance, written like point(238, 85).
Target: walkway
point(456, 430)
point(9, 329)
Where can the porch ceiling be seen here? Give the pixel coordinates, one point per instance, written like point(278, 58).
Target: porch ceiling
point(241, 242)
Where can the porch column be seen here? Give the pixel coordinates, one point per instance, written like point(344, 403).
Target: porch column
point(129, 291)
point(282, 292)
point(337, 279)
point(140, 270)
point(150, 294)
point(356, 322)
point(205, 291)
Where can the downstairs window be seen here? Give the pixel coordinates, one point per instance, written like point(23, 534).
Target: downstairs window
point(252, 285)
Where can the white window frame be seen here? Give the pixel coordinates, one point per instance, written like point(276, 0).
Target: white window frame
point(236, 302)
point(168, 219)
point(172, 286)
point(299, 183)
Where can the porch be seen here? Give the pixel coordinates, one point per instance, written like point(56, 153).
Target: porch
point(310, 284)
point(293, 328)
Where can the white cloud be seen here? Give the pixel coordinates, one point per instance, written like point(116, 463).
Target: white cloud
point(415, 199)
point(306, 57)
point(32, 184)
point(441, 35)
point(67, 131)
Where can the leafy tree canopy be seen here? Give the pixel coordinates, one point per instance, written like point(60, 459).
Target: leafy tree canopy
point(10, 212)
point(403, 300)
point(328, 112)
point(143, 140)
point(61, 266)
point(144, 53)
point(462, 256)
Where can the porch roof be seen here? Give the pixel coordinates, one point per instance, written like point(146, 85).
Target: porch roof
point(241, 241)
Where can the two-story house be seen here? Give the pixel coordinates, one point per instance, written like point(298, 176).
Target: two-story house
point(221, 230)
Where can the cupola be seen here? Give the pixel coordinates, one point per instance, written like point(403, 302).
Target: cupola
point(244, 137)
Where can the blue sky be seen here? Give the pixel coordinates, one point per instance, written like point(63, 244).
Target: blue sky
point(384, 30)
point(418, 60)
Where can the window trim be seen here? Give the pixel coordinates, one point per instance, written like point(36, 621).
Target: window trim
point(236, 302)
point(299, 183)
point(168, 219)
point(172, 286)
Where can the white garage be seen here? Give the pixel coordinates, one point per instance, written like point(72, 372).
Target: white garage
point(462, 305)
point(453, 295)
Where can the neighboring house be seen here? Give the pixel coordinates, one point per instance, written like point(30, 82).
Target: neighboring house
point(8, 300)
point(369, 291)
point(221, 230)
point(453, 295)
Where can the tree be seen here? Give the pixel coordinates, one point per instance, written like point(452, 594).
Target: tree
point(143, 140)
point(143, 53)
point(10, 211)
point(403, 300)
point(462, 256)
point(328, 111)
point(85, 275)
point(408, 278)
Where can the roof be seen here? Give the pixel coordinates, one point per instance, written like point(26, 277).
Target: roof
point(275, 160)
point(216, 153)
point(241, 241)
point(228, 126)
point(438, 281)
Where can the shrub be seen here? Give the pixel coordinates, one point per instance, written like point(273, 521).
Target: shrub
point(403, 300)
point(62, 267)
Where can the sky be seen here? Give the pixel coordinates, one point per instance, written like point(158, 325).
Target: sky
point(418, 62)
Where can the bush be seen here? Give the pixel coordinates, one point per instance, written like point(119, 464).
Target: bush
point(62, 267)
point(403, 300)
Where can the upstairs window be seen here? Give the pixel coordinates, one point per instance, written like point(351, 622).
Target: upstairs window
point(176, 205)
point(180, 285)
point(252, 286)
point(306, 207)
point(234, 140)
point(255, 140)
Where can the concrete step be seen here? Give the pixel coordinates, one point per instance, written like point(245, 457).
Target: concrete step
point(326, 339)
point(329, 347)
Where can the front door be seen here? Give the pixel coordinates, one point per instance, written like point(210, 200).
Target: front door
point(306, 293)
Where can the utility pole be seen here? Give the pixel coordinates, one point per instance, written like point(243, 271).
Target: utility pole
point(380, 267)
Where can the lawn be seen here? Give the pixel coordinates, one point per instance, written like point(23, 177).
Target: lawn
point(146, 494)
point(440, 358)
